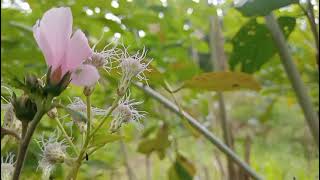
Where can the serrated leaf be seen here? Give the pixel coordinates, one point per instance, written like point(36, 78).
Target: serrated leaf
point(263, 7)
point(253, 45)
point(223, 81)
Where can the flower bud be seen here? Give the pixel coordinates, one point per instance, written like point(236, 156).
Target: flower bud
point(125, 113)
point(131, 67)
point(10, 121)
point(24, 108)
point(55, 83)
point(88, 90)
point(98, 59)
point(53, 152)
point(9, 116)
point(53, 113)
point(33, 84)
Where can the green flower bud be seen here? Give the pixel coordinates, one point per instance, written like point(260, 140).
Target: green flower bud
point(24, 108)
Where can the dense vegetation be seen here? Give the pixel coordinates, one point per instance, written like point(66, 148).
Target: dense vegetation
point(251, 102)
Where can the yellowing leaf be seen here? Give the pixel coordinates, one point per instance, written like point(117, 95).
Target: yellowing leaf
point(223, 81)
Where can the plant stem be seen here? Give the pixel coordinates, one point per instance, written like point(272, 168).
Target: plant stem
point(5, 131)
point(113, 106)
point(313, 26)
point(218, 59)
point(24, 129)
point(25, 143)
point(75, 169)
point(204, 131)
point(88, 116)
point(130, 173)
point(66, 135)
point(294, 76)
point(148, 168)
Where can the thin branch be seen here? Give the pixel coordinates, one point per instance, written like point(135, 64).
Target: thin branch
point(294, 76)
point(9, 132)
point(60, 126)
point(310, 16)
point(204, 131)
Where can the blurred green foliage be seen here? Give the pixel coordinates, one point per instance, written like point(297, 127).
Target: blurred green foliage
point(175, 33)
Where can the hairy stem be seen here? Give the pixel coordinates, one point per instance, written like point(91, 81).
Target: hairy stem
point(25, 143)
point(66, 135)
point(113, 107)
point(74, 172)
point(294, 76)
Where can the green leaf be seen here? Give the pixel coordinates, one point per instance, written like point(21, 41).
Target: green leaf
point(263, 7)
point(253, 45)
point(182, 169)
point(104, 138)
point(98, 164)
point(223, 81)
point(158, 144)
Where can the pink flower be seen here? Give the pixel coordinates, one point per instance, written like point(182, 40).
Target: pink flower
point(62, 51)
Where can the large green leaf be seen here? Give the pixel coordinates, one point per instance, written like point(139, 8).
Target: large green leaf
point(253, 45)
point(263, 7)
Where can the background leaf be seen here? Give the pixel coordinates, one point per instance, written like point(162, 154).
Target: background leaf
point(253, 45)
point(263, 7)
point(223, 81)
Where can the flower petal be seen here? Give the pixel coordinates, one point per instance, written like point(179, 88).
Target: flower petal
point(53, 34)
point(43, 44)
point(78, 51)
point(85, 75)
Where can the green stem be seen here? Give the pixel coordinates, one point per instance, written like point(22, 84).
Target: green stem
point(66, 135)
point(113, 106)
point(25, 144)
point(74, 172)
point(294, 76)
point(88, 116)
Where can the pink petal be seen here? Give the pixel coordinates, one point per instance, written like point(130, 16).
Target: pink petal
point(43, 44)
point(85, 75)
point(53, 34)
point(78, 51)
